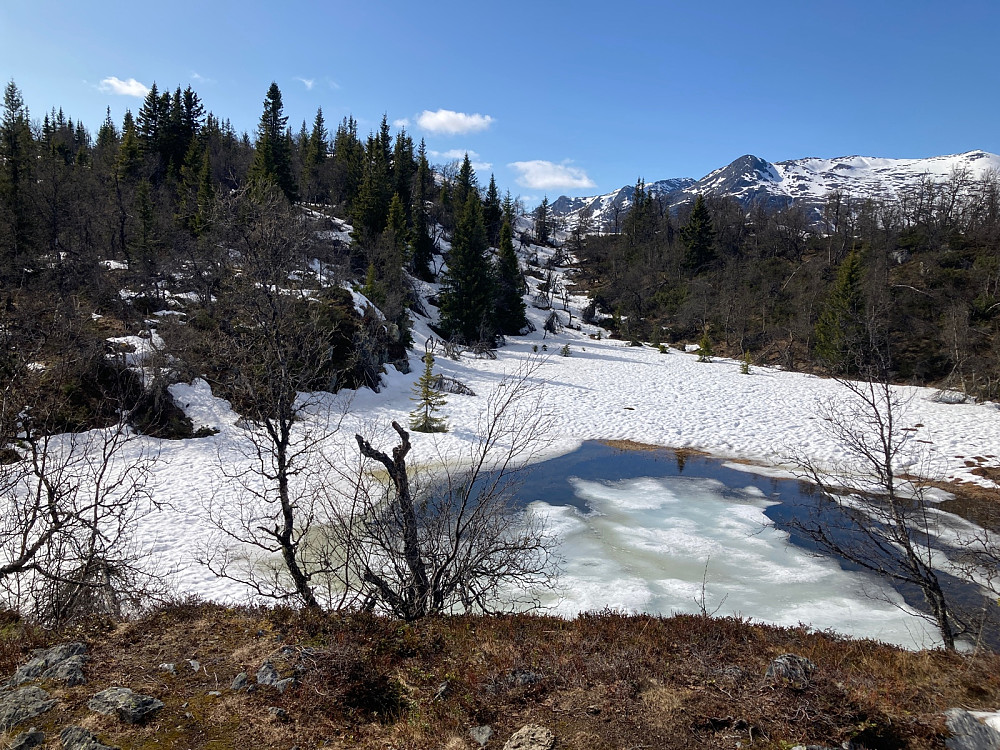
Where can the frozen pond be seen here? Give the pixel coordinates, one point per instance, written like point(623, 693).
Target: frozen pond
point(653, 531)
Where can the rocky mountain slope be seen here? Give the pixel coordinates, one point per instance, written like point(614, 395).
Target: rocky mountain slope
point(803, 182)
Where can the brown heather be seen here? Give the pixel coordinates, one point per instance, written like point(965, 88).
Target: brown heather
point(603, 680)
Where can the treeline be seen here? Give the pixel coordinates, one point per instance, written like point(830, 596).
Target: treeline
point(911, 281)
point(100, 233)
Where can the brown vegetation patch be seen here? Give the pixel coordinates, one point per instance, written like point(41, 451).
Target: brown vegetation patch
point(601, 680)
point(633, 445)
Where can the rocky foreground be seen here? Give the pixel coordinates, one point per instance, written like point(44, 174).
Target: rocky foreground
point(204, 676)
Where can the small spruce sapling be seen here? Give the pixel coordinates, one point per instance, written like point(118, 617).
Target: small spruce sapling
point(564, 352)
point(428, 400)
point(705, 352)
point(745, 364)
point(662, 348)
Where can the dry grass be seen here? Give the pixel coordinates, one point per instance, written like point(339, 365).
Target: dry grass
point(602, 680)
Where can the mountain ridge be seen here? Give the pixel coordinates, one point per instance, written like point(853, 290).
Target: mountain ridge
point(804, 182)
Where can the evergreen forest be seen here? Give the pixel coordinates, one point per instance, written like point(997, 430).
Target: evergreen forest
point(232, 249)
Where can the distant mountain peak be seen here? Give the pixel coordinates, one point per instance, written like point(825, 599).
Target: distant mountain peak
point(805, 182)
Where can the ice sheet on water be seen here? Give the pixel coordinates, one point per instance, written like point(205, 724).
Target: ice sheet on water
point(648, 544)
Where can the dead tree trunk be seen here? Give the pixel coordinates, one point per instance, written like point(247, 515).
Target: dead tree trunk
point(414, 601)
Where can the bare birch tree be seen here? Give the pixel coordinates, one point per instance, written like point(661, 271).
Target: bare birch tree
point(281, 349)
point(453, 539)
point(874, 519)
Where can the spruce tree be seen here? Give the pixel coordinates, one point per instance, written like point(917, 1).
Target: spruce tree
point(429, 401)
point(348, 163)
point(370, 208)
point(542, 219)
point(272, 163)
point(467, 295)
point(705, 352)
point(423, 245)
point(698, 236)
point(17, 166)
point(316, 150)
point(399, 235)
point(465, 184)
point(840, 330)
point(510, 310)
point(492, 212)
point(404, 169)
point(129, 156)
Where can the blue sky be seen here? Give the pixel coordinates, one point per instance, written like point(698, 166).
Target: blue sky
point(555, 97)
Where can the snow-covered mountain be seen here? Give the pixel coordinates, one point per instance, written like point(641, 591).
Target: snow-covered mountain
point(600, 211)
point(804, 182)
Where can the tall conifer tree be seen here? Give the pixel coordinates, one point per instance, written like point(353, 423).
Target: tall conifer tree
point(698, 236)
point(272, 161)
point(510, 311)
point(467, 297)
point(840, 330)
point(492, 212)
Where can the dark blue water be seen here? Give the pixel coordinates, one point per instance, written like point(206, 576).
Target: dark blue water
point(795, 500)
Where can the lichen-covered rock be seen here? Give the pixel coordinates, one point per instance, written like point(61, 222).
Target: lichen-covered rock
point(531, 737)
point(792, 670)
point(240, 681)
point(268, 675)
point(481, 735)
point(68, 671)
point(968, 733)
point(78, 738)
point(45, 660)
point(23, 704)
point(27, 740)
point(128, 706)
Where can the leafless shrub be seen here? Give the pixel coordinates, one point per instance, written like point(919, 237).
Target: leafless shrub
point(453, 539)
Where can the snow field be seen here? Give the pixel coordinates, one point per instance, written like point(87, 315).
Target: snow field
point(646, 545)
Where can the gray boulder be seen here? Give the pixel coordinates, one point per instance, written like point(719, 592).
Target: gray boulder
point(45, 660)
point(68, 671)
point(128, 706)
point(268, 675)
point(531, 737)
point(27, 740)
point(23, 704)
point(968, 733)
point(240, 681)
point(78, 738)
point(792, 670)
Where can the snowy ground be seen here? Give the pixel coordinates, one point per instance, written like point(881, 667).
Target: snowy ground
point(607, 390)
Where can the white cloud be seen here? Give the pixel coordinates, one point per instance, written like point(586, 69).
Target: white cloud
point(454, 154)
point(453, 123)
point(546, 175)
point(401, 123)
point(195, 76)
point(333, 84)
point(481, 166)
point(307, 82)
point(131, 87)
